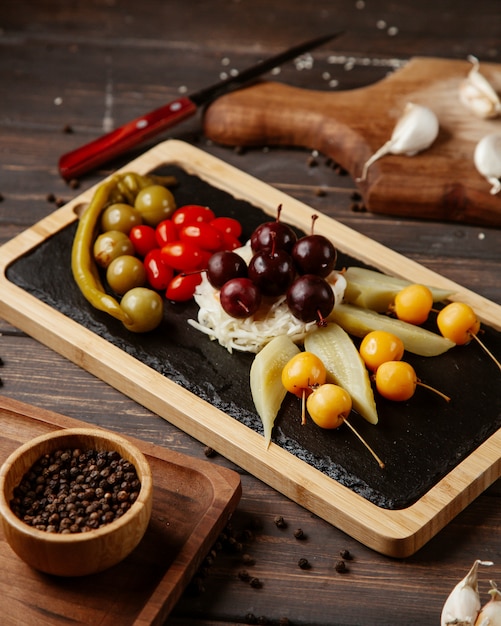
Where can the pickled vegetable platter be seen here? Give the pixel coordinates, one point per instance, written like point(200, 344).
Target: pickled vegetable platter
point(437, 456)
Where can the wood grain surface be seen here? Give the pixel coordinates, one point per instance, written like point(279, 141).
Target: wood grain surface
point(72, 71)
point(439, 183)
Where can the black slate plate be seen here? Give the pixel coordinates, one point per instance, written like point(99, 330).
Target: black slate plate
point(420, 440)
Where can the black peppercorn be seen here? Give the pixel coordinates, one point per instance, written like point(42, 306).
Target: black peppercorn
point(209, 452)
point(340, 567)
point(345, 554)
point(59, 493)
point(244, 576)
point(280, 522)
point(304, 563)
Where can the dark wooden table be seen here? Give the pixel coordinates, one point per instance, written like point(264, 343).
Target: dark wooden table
point(71, 70)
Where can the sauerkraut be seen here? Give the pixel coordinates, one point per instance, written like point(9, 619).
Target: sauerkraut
point(250, 334)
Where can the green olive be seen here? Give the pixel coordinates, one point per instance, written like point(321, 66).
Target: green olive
point(120, 217)
point(110, 245)
point(155, 203)
point(124, 273)
point(144, 307)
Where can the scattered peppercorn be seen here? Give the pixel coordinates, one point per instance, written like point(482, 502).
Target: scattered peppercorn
point(280, 522)
point(340, 171)
point(50, 197)
point(345, 554)
point(60, 202)
point(247, 559)
point(244, 575)
point(340, 567)
point(320, 192)
point(357, 207)
point(68, 129)
point(255, 583)
point(247, 534)
point(209, 452)
point(312, 161)
point(304, 563)
point(73, 490)
point(356, 196)
point(1, 197)
point(196, 587)
point(74, 183)
point(299, 534)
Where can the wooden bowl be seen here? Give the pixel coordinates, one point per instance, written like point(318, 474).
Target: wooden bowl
point(81, 553)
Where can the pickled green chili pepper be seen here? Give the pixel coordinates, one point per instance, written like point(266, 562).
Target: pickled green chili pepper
point(119, 188)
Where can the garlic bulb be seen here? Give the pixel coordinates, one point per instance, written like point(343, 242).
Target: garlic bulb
point(415, 131)
point(477, 94)
point(487, 159)
point(463, 604)
point(490, 615)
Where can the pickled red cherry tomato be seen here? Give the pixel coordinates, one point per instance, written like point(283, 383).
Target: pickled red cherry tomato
point(143, 239)
point(183, 256)
point(228, 226)
point(230, 242)
point(203, 235)
point(192, 214)
point(165, 232)
point(158, 274)
point(182, 287)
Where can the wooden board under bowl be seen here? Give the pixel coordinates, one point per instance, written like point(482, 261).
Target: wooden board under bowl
point(103, 348)
point(192, 502)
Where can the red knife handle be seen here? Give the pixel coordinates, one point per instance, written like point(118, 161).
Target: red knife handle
point(74, 164)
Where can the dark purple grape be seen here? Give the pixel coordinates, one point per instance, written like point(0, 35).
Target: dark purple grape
point(223, 266)
point(272, 272)
point(240, 297)
point(314, 254)
point(273, 235)
point(310, 298)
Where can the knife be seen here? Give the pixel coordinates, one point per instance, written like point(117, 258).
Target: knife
point(82, 160)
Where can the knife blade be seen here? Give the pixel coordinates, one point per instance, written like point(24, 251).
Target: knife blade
point(101, 150)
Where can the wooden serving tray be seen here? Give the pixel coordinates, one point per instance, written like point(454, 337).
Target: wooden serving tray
point(192, 501)
point(472, 462)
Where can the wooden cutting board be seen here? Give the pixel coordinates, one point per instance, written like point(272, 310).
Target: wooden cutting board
point(440, 183)
point(55, 315)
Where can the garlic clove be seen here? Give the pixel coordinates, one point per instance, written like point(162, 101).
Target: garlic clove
point(487, 159)
point(490, 615)
point(477, 94)
point(463, 604)
point(415, 131)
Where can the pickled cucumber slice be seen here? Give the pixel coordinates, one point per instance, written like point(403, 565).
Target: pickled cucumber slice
point(373, 290)
point(358, 321)
point(344, 366)
point(266, 385)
